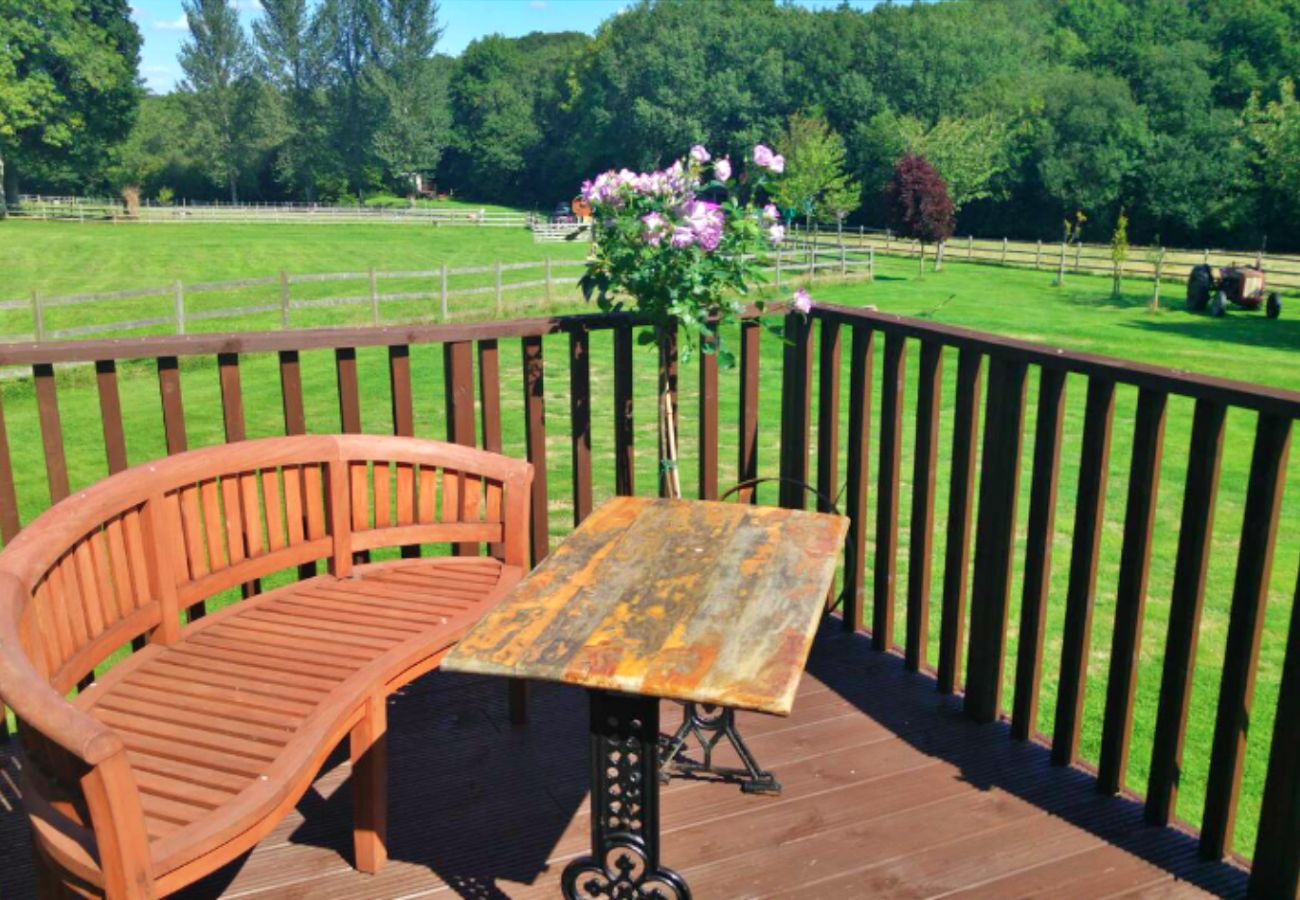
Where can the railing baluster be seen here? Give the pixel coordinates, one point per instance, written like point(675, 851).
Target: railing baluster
point(921, 541)
point(9, 521)
point(624, 435)
point(1190, 564)
point(399, 384)
point(458, 386)
point(708, 486)
point(535, 439)
point(961, 502)
point(232, 401)
point(995, 537)
point(747, 460)
point(828, 414)
point(796, 399)
point(580, 420)
point(110, 415)
point(1038, 551)
point(1130, 599)
point(47, 402)
point(1245, 626)
point(345, 365)
point(1275, 870)
point(295, 417)
point(859, 463)
point(1089, 515)
point(887, 488)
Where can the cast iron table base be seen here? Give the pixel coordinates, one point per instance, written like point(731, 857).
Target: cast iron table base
point(624, 860)
point(709, 724)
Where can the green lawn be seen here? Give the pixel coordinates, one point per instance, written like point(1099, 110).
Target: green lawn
point(1014, 302)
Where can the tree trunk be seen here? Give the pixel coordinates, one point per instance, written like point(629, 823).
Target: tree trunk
point(8, 185)
point(4, 199)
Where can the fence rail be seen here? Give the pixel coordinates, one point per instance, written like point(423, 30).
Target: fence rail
point(444, 285)
point(1172, 264)
point(986, 450)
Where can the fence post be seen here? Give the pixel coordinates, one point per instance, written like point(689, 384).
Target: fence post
point(38, 316)
point(1205, 257)
point(844, 261)
point(970, 246)
point(499, 310)
point(284, 300)
point(374, 297)
point(862, 235)
point(812, 261)
point(888, 235)
point(778, 267)
point(180, 307)
point(1078, 249)
point(548, 281)
point(444, 293)
point(1060, 269)
point(1160, 262)
point(871, 264)
point(1038, 254)
point(1004, 251)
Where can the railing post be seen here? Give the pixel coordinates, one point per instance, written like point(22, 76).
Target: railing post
point(796, 398)
point(284, 300)
point(444, 292)
point(180, 307)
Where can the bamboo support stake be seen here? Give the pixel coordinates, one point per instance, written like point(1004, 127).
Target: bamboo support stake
point(179, 301)
point(670, 442)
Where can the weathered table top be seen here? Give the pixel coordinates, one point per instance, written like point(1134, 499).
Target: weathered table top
point(711, 602)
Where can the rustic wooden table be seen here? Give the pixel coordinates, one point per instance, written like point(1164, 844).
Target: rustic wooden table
point(712, 604)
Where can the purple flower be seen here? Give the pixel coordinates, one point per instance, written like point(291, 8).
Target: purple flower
point(705, 221)
point(682, 237)
point(778, 164)
point(771, 213)
point(722, 170)
point(776, 234)
point(763, 155)
point(802, 301)
point(654, 228)
point(700, 154)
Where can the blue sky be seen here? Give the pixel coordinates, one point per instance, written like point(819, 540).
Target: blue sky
point(163, 25)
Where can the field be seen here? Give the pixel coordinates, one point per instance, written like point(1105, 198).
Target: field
point(65, 258)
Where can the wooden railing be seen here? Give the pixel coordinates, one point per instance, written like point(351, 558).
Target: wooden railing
point(979, 449)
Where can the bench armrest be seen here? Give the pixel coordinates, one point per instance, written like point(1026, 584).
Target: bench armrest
point(34, 701)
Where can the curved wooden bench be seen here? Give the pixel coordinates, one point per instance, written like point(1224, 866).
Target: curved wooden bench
point(184, 754)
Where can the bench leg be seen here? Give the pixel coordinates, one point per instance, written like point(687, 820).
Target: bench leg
point(369, 748)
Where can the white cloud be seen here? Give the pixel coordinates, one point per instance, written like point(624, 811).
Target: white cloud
point(180, 23)
point(537, 4)
point(252, 6)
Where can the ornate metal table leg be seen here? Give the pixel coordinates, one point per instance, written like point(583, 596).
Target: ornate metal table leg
point(624, 859)
point(709, 725)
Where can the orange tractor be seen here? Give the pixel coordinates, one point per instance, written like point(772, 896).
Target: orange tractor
point(1236, 285)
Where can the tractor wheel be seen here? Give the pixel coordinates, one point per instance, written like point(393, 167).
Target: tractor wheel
point(1219, 304)
point(1273, 306)
point(1199, 284)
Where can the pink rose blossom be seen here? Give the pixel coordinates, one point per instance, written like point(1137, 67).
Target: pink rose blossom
point(763, 155)
point(700, 154)
point(776, 234)
point(771, 213)
point(682, 237)
point(802, 301)
point(722, 170)
point(778, 164)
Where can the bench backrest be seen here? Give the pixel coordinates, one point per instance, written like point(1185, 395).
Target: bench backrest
point(128, 556)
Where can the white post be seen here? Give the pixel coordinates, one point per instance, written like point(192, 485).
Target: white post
point(1004, 251)
point(374, 297)
point(444, 292)
point(38, 316)
point(180, 307)
point(284, 300)
point(871, 264)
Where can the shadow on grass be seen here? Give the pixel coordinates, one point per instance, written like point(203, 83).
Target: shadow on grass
point(1236, 327)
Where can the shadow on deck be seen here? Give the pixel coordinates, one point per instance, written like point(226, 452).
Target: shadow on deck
point(889, 791)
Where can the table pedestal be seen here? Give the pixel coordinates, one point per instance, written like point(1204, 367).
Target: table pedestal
point(624, 860)
point(709, 725)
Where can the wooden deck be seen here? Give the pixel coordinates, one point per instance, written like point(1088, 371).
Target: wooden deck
point(889, 791)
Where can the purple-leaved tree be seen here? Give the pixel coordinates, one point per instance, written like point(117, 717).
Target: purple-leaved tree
point(917, 203)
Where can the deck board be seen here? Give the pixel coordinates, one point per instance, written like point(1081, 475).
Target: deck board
point(889, 791)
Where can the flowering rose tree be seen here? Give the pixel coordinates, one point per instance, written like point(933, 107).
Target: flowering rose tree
point(684, 247)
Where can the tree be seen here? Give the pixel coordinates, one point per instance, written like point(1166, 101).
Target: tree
point(68, 91)
point(218, 88)
point(290, 60)
point(1273, 142)
point(412, 130)
point(918, 204)
point(814, 182)
point(1118, 252)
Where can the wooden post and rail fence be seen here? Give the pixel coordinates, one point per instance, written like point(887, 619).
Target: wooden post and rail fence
point(867, 352)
